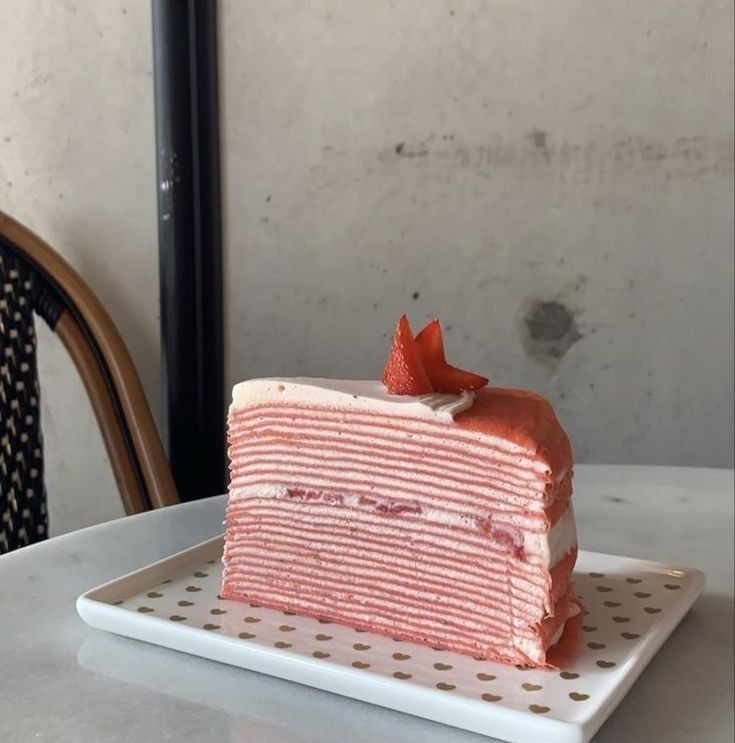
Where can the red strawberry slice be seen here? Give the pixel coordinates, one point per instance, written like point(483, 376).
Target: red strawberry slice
point(443, 377)
point(404, 373)
point(431, 344)
point(448, 378)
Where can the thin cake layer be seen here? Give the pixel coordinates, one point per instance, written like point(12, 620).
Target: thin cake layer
point(442, 519)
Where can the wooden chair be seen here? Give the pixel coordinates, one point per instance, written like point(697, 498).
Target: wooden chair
point(36, 279)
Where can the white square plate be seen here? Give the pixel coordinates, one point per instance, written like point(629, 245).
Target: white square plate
point(631, 607)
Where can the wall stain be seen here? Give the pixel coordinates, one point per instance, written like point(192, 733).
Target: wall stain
point(549, 331)
point(614, 499)
point(419, 150)
point(537, 151)
point(540, 141)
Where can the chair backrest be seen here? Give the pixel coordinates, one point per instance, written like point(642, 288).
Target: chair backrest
point(23, 516)
point(33, 277)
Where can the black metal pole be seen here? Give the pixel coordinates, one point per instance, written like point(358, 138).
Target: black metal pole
point(190, 245)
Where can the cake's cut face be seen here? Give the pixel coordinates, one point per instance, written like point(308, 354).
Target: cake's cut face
point(442, 519)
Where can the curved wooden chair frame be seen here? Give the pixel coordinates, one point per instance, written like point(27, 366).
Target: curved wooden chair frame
point(104, 364)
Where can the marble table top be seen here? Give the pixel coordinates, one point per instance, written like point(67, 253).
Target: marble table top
point(63, 681)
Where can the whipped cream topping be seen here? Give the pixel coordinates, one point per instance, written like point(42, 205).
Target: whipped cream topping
point(350, 394)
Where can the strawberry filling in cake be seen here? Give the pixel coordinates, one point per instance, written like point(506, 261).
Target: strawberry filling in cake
point(428, 506)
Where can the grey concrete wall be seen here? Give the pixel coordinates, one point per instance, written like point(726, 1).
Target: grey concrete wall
point(554, 180)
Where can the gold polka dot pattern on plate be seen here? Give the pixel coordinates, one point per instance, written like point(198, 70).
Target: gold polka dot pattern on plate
point(603, 589)
point(360, 664)
point(629, 635)
point(539, 709)
point(199, 574)
point(577, 697)
point(251, 620)
point(569, 675)
point(671, 586)
point(246, 635)
point(612, 604)
point(145, 609)
point(185, 603)
point(282, 645)
point(217, 612)
point(642, 595)
point(154, 595)
point(286, 628)
point(490, 697)
point(442, 667)
point(531, 687)
point(620, 620)
point(589, 628)
point(320, 654)
point(486, 677)
point(209, 626)
point(606, 663)
point(401, 675)
point(193, 589)
point(177, 618)
point(323, 638)
point(401, 656)
point(360, 646)
point(652, 610)
point(596, 645)
point(445, 687)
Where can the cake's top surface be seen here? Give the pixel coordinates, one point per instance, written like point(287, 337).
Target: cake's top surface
point(350, 394)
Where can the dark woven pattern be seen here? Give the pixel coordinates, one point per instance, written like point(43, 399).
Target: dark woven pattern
point(23, 516)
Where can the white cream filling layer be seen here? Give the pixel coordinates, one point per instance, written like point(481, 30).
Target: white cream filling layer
point(561, 538)
point(550, 547)
point(350, 394)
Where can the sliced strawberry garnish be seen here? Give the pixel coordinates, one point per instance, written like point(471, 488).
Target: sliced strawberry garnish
point(431, 344)
point(443, 377)
point(404, 373)
point(448, 378)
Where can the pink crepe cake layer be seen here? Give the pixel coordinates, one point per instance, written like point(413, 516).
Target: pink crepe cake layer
point(438, 519)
